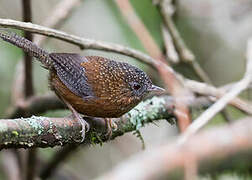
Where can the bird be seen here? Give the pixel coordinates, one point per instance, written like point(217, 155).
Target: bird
point(93, 86)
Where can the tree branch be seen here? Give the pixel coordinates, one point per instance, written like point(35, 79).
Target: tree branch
point(213, 150)
point(81, 42)
point(49, 132)
point(27, 17)
point(35, 105)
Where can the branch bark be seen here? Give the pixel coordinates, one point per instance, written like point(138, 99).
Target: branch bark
point(83, 43)
point(49, 132)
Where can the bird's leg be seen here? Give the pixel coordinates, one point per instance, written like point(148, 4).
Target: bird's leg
point(110, 125)
point(84, 124)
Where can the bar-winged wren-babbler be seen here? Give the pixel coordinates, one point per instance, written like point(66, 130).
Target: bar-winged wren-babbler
point(90, 85)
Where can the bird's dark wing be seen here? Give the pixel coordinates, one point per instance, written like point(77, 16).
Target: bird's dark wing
point(71, 73)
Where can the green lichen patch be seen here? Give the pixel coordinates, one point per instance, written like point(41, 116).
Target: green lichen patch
point(34, 123)
point(15, 133)
point(141, 114)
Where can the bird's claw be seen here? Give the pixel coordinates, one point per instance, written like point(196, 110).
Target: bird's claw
point(110, 125)
point(85, 127)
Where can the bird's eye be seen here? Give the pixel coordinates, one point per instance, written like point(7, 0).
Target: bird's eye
point(136, 86)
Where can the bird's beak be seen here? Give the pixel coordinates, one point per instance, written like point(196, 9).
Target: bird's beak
point(156, 89)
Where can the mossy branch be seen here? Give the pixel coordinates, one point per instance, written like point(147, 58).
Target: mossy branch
point(49, 132)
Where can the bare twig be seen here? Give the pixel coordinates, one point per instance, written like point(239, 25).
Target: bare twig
point(185, 54)
point(205, 117)
point(200, 72)
point(215, 150)
point(171, 52)
point(211, 91)
point(81, 42)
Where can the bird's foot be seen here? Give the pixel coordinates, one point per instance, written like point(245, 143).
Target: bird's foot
point(110, 125)
point(84, 125)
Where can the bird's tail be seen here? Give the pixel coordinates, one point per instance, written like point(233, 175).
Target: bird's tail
point(28, 46)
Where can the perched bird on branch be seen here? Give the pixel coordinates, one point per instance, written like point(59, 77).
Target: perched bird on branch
point(90, 85)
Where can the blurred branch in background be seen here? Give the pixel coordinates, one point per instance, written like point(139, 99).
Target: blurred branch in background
point(214, 150)
point(214, 93)
point(169, 78)
point(36, 105)
point(11, 167)
point(49, 132)
point(172, 38)
point(60, 156)
point(171, 52)
point(28, 83)
point(28, 87)
point(240, 86)
point(167, 9)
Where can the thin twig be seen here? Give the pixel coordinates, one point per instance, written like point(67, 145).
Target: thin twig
point(81, 42)
point(171, 52)
point(185, 53)
point(215, 150)
point(215, 93)
point(200, 72)
point(205, 117)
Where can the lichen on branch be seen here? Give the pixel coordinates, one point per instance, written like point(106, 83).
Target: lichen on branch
point(49, 132)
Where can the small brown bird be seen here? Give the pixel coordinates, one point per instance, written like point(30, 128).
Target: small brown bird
point(91, 85)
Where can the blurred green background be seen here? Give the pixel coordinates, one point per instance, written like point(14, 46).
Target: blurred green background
point(216, 32)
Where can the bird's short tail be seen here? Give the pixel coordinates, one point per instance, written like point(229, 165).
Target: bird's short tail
point(28, 46)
